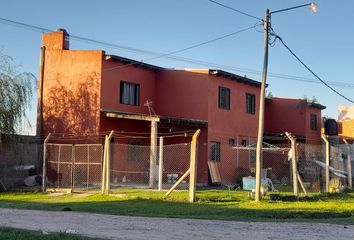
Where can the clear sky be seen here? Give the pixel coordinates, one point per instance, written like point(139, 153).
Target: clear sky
point(324, 40)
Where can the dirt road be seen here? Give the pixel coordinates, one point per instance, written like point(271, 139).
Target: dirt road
point(121, 227)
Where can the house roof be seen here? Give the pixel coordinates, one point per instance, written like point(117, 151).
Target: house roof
point(234, 77)
point(316, 105)
point(133, 62)
point(309, 104)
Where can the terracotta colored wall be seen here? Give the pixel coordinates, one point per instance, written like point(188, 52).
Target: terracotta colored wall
point(292, 115)
point(225, 124)
point(110, 89)
point(313, 136)
point(283, 114)
point(71, 89)
point(182, 93)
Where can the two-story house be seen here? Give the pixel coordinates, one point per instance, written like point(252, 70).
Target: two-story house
point(88, 91)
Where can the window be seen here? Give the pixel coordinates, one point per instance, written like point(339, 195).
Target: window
point(232, 142)
point(224, 98)
point(215, 148)
point(135, 151)
point(250, 103)
point(129, 93)
point(313, 122)
point(244, 142)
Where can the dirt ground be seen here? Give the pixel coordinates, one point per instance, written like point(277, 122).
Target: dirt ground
point(121, 227)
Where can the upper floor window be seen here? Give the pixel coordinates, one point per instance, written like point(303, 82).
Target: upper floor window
point(224, 98)
point(313, 122)
point(129, 93)
point(250, 103)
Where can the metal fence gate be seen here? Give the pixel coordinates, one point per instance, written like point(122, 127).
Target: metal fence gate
point(74, 166)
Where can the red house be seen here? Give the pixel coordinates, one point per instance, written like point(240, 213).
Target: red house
point(297, 116)
point(87, 91)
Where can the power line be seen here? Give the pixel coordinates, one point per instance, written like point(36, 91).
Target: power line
point(236, 10)
point(163, 55)
point(314, 74)
point(181, 59)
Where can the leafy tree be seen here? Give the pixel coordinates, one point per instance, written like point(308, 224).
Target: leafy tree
point(16, 92)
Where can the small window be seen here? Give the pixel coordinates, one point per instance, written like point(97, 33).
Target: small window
point(232, 142)
point(129, 93)
point(244, 142)
point(313, 122)
point(224, 98)
point(135, 151)
point(215, 149)
point(250, 103)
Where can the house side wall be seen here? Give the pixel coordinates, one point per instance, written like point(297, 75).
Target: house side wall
point(71, 88)
point(285, 115)
point(313, 136)
point(113, 73)
point(182, 94)
point(234, 123)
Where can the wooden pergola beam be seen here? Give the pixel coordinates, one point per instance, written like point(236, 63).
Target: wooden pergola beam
point(133, 116)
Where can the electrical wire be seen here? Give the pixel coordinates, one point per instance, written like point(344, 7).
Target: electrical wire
point(182, 59)
point(163, 55)
point(234, 9)
point(312, 72)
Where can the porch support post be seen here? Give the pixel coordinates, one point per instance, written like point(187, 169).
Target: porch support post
point(153, 153)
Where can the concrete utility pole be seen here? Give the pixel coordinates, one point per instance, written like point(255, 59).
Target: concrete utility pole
point(261, 109)
point(266, 23)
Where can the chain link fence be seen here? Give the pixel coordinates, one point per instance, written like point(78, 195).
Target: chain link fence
point(234, 165)
point(74, 166)
point(131, 164)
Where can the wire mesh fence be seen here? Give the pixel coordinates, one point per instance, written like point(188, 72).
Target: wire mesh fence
point(131, 165)
point(74, 166)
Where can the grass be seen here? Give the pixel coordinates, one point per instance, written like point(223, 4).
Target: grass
point(211, 204)
point(19, 234)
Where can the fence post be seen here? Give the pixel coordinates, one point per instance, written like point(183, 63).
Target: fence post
point(193, 166)
point(325, 139)
point(294, 163)
point(72, 167)
point(160, 163)
point(349, 165)
point(44, 171)
point(152, 154)
point(108, 163)
point(103, 182)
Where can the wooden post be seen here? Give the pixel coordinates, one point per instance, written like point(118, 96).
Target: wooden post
point(349, 165)
point(153, 153)
point(108, 163)
point(44, 170)
point(103, 184)
point(301, 183)
point(160, 163)
point(325, 139)
point(72, 167)
point(178, 182)
point(193, 166)
point(294, 164)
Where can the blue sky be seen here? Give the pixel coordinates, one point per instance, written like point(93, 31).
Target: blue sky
point(323, 40)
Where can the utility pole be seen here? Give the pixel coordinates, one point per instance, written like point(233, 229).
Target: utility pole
point(261, 108)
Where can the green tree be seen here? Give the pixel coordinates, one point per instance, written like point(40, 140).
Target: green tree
point(16, 92)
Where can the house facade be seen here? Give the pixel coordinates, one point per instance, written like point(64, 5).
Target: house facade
point(297, 116)
point(88, 91)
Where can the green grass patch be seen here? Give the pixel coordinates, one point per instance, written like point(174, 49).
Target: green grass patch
point(19, 234)
point(211, 204)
